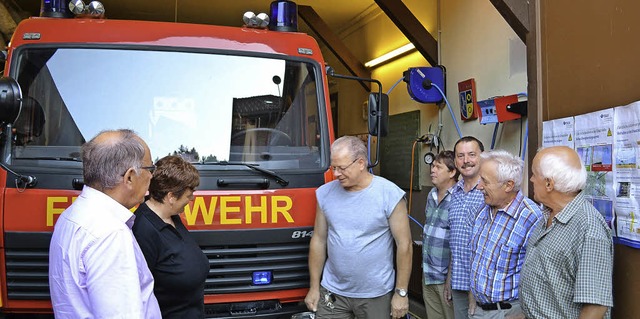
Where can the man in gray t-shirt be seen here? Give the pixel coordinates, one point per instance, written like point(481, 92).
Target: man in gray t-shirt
point(358, 219)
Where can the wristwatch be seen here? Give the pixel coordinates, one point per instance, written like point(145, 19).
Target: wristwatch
point(401, 292)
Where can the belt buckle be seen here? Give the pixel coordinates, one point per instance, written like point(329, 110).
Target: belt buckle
point(502, 305)
point(487, 306)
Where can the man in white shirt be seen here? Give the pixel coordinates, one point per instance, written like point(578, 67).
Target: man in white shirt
point(96, 268)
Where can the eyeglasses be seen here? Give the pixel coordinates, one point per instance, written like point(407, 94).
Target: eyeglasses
point(149, 168)
point(341, 169)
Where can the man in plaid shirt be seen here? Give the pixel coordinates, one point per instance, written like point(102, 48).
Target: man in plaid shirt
point(569, 265)
point(500, 236)
point(435, 236)
point(466, 199)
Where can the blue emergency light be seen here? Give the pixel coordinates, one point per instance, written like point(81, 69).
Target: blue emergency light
point(284, 16)
point(55, 9)
point(261, 277)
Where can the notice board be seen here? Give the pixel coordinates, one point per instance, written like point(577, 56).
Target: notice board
point(395, 150)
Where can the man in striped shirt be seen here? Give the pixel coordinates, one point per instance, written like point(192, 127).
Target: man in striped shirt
point(500, 235)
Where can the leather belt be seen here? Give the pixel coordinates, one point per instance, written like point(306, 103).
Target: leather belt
point(495, 306)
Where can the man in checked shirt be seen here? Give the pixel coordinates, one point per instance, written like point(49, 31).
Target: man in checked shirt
point(501, 233)
point(569, 265)
point(466, 199)
point(436, 254)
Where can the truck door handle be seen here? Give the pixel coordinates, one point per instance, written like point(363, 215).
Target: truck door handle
point(77, 183)
point(225, 182)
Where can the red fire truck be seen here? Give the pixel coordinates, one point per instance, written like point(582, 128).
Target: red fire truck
point(249, 107)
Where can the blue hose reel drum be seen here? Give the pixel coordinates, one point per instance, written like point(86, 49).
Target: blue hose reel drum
point(420, 81)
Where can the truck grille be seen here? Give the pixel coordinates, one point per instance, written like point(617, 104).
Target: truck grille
point(231, 265)
point(27, 274)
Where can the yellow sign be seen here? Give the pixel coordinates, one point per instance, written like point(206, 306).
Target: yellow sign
point(265, 209)
point(223, 210)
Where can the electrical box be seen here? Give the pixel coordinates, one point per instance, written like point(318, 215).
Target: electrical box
point(501, 108)
point(421, 82)
point(498, 110)
point(488, 114)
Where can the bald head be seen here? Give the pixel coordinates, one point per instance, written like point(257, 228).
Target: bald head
point(352, 145)
point(562, 165)
point(109, 155)
point(563, 153)
point(107, 137)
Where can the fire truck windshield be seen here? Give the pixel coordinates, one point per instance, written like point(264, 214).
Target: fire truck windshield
point(207, 107)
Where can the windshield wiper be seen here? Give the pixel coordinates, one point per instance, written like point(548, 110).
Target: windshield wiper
point(254, 167)
point(52, 158)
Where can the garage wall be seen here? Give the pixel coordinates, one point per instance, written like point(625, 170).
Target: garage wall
point(589, 63)
point(475, 42)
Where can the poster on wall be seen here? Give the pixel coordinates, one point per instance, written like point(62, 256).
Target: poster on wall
point(594, 144)
point(627, 171)
point(558, 132)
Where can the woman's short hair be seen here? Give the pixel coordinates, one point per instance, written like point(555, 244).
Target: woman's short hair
point(173, 174)
point(509, 167)
point(104, 162)
point(567, 178)
point(448, 158)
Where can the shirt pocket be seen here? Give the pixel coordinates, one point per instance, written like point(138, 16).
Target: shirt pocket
point(435, 232)
point(508, 258)
point(557, 265)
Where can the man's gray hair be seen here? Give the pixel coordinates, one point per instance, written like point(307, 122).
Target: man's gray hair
point(566, 177)
point(509, 166)
point(353, 145)
point(105, 162)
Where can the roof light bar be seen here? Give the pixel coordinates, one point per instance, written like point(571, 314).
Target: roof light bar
point(96, 8)
point(64, 9)
point(251, 20)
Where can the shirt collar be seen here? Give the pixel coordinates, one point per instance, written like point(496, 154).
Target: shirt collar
point(459, 186)
point(118, 211)
point(512, 208)
point(434, 192)
point(570, 210)
point(153, 218)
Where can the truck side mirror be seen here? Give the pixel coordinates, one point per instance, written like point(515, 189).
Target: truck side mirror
point(10, 100)
point(378, 114)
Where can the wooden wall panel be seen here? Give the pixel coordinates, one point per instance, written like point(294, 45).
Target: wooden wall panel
point(590, 57)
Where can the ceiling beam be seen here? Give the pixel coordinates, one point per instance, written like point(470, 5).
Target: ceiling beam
point(17, 13)
point(333, 42)
point(402, 17)
point(516, 13)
